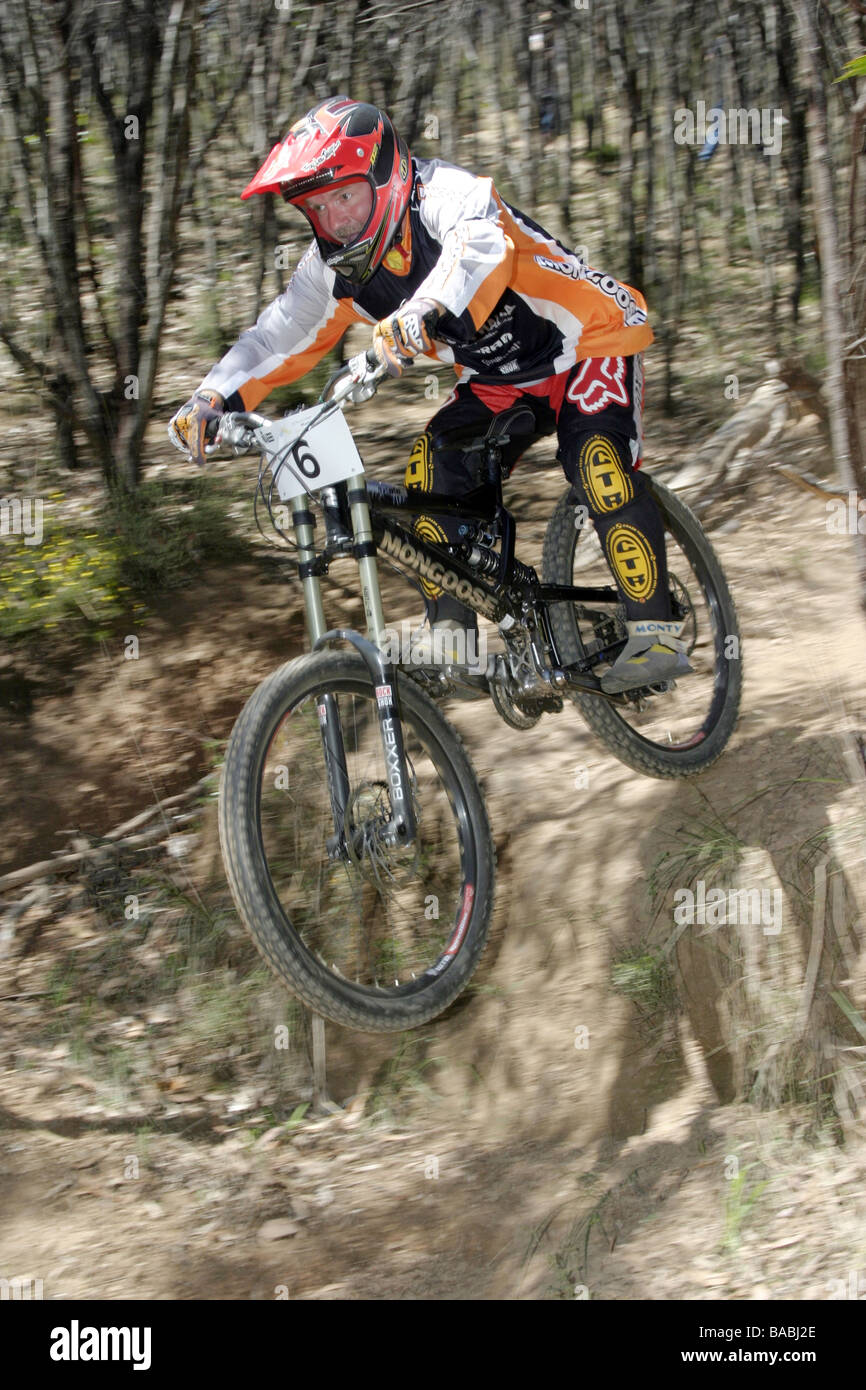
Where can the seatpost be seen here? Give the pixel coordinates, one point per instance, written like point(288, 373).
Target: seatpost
point(492, 456)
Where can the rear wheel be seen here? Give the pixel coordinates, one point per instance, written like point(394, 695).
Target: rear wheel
point(373, 935)
point(668, 731)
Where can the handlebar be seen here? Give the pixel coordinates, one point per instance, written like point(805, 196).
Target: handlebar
point(364, 370)
point(357, 380)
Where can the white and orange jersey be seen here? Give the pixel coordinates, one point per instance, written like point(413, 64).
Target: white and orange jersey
point(519, 306)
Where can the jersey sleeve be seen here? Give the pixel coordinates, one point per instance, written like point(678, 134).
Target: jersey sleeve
point(476, 263)
point(288, 338)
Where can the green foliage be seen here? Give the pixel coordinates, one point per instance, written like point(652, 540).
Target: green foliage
point(740, 1200)
point(645, 977)
point(166, 530)
point(708, 851)
point(603, 155)
point(399, 1079)
point(855, 67)
point(142, 545)
point(223, 1010)
point(72, 576)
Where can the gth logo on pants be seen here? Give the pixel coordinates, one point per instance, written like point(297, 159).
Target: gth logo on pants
point(632, 561)
point(605, 481)
point(419, 470)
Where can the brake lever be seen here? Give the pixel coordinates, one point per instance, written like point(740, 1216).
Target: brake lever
point(234, 432)
point(357, 381)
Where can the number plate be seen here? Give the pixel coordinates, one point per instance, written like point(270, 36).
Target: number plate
point(326, 454)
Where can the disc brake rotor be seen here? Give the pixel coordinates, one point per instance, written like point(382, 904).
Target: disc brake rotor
point(368, 815)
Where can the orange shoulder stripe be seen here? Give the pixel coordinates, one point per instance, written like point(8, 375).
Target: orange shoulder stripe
point(298, 364)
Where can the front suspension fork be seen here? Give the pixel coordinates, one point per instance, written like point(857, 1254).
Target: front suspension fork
point(401, 828)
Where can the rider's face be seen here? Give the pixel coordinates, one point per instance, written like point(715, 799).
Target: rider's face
point(340, 214)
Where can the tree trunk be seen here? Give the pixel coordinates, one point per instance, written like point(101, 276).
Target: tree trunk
point(833, 278)
point(563, 69)
point(855, 288)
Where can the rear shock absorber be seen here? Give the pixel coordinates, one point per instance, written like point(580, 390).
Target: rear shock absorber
point(487, 562)
point(483, 559)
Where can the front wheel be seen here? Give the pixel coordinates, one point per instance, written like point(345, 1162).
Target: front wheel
point(670, 732)
point(373, 935)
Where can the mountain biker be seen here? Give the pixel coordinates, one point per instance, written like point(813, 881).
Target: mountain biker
point(437, 263)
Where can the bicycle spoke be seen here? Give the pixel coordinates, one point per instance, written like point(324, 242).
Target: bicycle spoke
point(375, 913)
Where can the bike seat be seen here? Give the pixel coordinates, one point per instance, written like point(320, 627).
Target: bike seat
point(517, 419)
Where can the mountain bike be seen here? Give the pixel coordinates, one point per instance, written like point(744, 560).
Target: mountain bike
point(354, 832)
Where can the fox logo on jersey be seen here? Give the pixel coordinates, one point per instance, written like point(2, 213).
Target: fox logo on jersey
point(600, 382)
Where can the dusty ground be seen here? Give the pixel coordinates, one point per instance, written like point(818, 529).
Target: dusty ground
point(150, 1136)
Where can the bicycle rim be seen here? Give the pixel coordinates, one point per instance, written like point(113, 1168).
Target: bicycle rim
point(681, 715)
point(387, 920)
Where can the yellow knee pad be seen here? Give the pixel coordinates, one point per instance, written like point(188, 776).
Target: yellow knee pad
point(419, 469)
point(606, 482)
point(632, 560)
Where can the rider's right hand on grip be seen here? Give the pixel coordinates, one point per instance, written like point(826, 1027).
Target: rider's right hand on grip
point(195, 423)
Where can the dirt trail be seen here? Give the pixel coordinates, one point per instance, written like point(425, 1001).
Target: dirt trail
point(543, 1139)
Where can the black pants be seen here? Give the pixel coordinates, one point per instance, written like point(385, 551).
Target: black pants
point(596, 411)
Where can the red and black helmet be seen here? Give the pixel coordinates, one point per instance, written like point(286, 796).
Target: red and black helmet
point(338, 142)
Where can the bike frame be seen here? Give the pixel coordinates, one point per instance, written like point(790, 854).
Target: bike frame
point(515, 595)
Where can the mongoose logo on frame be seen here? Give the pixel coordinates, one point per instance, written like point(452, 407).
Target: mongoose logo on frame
point(438, 574)
point(632, 561)
point(607, 484)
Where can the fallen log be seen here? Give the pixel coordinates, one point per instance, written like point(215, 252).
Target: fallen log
point(119, 836)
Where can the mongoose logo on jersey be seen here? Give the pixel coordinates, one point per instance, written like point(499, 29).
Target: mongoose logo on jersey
point(437, 574)
point(575, 269)
point(632, 561)
point(599, 382)
point(606, 482)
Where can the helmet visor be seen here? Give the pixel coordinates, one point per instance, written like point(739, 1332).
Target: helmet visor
point(339, 214)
